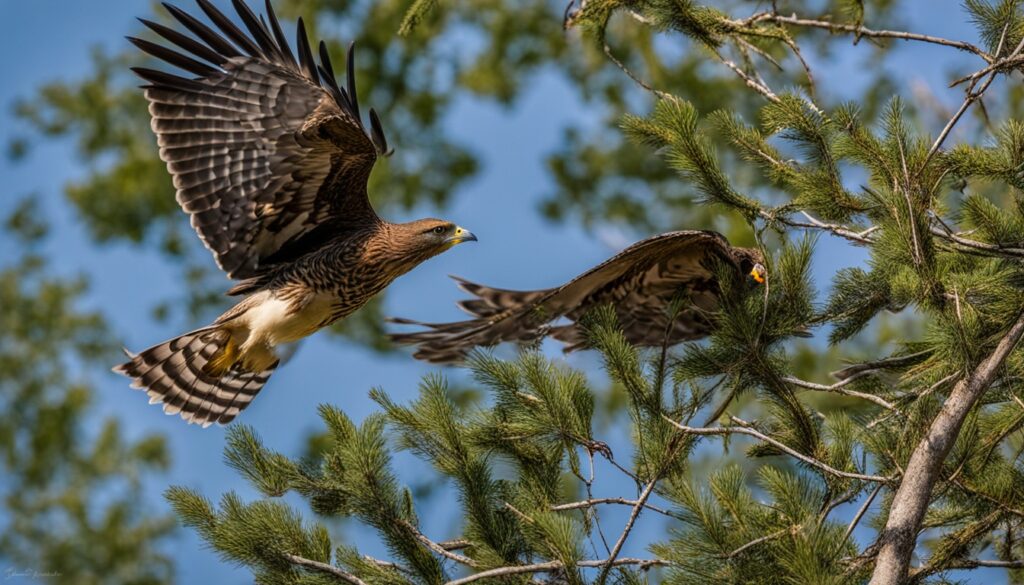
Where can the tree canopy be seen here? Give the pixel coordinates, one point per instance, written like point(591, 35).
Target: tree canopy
point(886, 450)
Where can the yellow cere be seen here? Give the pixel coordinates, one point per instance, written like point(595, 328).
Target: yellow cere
point(757, 274)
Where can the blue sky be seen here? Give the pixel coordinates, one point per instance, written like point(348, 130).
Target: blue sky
point(499, 205)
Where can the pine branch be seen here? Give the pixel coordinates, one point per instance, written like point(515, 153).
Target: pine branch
point(437, 548)
point(861, 511)
point(928, 568)
point(457, 544)
point(860, 237)
point(758, 541)
point(555, 566)
point(859, 31)
point(980, 563)
point(752, 83)
point(745, 430)
point(610, 561)
point(621, 501)
point(882, 364)
point(908, 507)
point(837, 388)
point(324, 568)
point(972, 96)
point(989, 249)
point(629, 73)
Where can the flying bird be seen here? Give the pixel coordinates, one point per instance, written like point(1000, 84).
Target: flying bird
point(641, 283)
point(270, 157)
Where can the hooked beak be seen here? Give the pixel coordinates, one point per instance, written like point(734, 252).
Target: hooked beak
point(758, 273)
point(460, 235)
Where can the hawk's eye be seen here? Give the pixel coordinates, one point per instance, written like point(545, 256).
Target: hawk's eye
point(440, 229)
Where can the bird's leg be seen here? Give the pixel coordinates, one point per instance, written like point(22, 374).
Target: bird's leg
point(225, 358)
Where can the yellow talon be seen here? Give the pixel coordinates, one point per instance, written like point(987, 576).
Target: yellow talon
point(223, 361)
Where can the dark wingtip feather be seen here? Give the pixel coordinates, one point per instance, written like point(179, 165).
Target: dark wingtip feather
point(187, 43)
point(306, 62)
point(173, 57)
point(325, 58)
point(377, 134)
point(282, 42)
point(228, 28)
point(337, 92)
point(350, 79)
point(207, 34)
point(162, 79)
point(327, 74)
point(259, 32)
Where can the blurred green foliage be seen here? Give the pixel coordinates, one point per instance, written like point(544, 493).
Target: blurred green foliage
point(73, 484)
point(706, 144)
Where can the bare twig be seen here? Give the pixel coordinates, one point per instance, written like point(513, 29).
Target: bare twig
point(860, 31)
point(1000, 64)
point(861, 511)
point(750, 81)
point(816, 224)
point(457, 544)
point(744, 430)
point(989, 249)
point(911, 500)
point(555, 566)
point(758, 541)
point(324, 568)
point(882, 364)
point(437, 548)
point(759, 51)
point(590, 496)
point(812, 87)
point(620, 501)
point(617, 547)
point(608, 53)
point(837, 388)
point(972, 96)
point(928, 568)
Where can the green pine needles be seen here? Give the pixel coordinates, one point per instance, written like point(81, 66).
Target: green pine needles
point(900, 465)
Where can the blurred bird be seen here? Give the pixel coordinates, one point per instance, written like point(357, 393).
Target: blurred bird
point(270, 158)
point(642, 284)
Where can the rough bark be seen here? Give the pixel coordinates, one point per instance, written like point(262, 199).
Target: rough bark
point(899, 536)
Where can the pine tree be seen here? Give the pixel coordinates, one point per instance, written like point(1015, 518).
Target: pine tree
point(921, 440)
point(926, 444)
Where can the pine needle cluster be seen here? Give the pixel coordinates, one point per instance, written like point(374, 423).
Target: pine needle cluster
point(925, 448)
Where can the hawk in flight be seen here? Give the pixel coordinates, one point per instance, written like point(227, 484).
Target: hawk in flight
point(270, 157)
point(641, 283)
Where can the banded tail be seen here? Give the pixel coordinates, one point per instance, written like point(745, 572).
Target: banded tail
point(192, 375)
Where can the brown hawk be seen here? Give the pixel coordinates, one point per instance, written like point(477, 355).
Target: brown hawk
point(641, 283)
point(270, 158)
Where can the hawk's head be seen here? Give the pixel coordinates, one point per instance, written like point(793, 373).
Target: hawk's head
point(752, 264)
point(424, 238)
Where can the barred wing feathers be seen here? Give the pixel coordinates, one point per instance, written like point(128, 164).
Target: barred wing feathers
point(266, 151)
point(641, 283)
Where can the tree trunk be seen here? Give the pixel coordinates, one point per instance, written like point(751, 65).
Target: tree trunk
point(899, 537)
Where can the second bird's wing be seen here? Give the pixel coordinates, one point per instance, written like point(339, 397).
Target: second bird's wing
point(640, 283)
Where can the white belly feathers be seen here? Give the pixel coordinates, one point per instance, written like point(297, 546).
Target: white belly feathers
point(273, 321)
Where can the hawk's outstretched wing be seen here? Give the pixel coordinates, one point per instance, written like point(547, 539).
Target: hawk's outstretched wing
point(641, 283)
point(264, 148)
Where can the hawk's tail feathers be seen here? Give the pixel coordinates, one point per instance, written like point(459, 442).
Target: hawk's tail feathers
point(442, 343)
point(491, 301)
point(450, 343)
point(179, 374)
